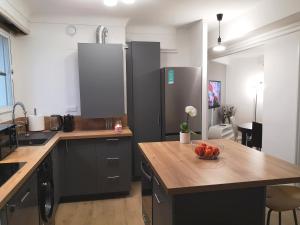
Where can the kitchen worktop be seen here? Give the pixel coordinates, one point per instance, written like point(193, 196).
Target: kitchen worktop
point(181, 172)
point(34, 155)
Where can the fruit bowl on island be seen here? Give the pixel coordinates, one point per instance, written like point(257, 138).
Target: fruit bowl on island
point(207, 152)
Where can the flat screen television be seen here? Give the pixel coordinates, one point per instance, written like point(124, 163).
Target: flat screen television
point(214, 94)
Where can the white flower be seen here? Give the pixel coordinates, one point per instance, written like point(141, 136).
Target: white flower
point(191, 110)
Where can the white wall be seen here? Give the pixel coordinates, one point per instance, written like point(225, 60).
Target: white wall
point(242, 76)
point(182, 56)
point(46, 63)
point(281, 97)
point(181, 46)
point(166, 35)
point(217, 71)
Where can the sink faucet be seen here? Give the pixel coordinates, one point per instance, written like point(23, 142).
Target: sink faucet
point(25, 113)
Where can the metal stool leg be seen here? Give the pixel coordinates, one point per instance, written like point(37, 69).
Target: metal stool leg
point(269, 215)
point(295, 217)
point(279, 214)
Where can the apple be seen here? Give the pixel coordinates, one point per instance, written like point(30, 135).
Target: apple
point(202, 151)
point(216, 151)
point(203, 145)
point(197, 150)
point(209, 152)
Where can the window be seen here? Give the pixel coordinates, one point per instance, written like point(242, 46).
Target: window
point(6, 89)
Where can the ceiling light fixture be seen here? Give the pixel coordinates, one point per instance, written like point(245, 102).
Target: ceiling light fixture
point(110, 3)
point(128, 2)
point(219, 47)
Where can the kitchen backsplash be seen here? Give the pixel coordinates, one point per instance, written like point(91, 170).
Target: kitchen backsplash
point(84, 124)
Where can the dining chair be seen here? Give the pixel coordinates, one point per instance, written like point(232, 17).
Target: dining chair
point(256, 138)
point(282, 198)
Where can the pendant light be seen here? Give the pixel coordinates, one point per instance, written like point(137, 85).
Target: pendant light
point(219, 47)
point(110, 3)
point(128, 2)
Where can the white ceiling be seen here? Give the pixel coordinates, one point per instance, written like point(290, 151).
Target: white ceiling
point(146, 12)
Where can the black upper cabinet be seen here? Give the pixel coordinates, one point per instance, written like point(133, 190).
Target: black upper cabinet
point(101, 75)
point(143, 94)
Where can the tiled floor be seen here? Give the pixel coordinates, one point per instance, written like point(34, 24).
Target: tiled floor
point(123, 211)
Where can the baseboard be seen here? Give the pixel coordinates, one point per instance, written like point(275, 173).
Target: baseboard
point(93, 197)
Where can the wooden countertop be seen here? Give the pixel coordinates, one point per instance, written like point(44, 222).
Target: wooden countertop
point(34, 155)
point(180, 171)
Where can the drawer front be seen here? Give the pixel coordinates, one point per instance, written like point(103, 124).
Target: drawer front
point(114, 165)
point(115, 157)
point(114, 184)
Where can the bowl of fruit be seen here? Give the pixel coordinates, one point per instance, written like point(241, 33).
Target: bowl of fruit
point(207, 152)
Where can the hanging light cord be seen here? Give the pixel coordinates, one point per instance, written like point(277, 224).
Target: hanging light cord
point(219, 39)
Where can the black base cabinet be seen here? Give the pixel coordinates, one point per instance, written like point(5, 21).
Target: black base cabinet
point(209, 208)
point(114, 165)
point(3, 219)
point(95, 167)
point(162, 205)
point(80, 168)
point(22, 208)
point(58, 170)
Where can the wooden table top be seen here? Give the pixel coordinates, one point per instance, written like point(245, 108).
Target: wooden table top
point(180, 171)
point(34, 155)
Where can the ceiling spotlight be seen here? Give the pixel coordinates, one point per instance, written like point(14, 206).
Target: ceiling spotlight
point(219, 47)
point(128, 1)
point(110, 3)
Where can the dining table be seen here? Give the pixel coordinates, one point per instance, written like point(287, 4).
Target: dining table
point(246, 130)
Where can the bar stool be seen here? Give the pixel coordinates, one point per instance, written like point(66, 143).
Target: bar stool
point(282, 198)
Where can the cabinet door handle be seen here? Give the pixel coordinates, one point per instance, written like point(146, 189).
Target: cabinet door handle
point(113, 139)
point(114, 177)
point(156, 197)
point(156, 181)
point(25, 196)
point(116, 158)
point(148, 176)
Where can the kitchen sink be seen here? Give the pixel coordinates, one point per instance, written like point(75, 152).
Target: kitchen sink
point(35, 138)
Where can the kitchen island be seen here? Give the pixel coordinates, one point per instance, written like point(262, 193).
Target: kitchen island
point(229, 191)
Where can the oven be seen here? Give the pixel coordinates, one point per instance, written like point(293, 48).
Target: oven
point(147, 178)
point(8, 139)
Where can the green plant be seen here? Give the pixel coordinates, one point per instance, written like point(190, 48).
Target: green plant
point(190, 111)
point(184, 127)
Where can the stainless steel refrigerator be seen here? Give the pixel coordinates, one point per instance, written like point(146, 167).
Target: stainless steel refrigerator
point(181, 87)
